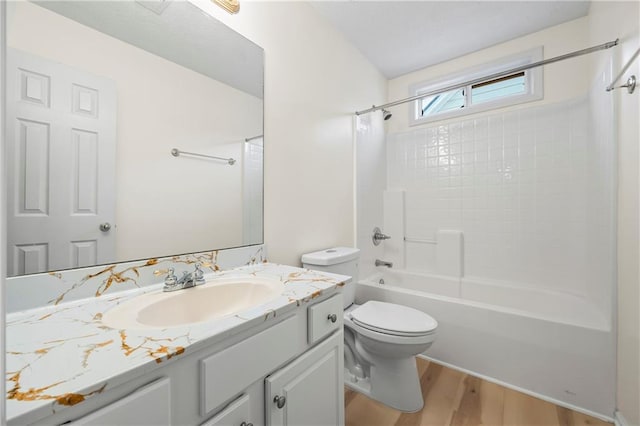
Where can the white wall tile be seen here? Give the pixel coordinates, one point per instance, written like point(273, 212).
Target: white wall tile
point(522, 188)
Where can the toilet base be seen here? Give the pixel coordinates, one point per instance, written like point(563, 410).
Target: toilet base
point(358, 384)
point(395, 384)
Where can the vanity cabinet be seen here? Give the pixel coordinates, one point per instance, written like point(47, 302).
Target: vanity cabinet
point(149, 405)
point(296, 357)
point(254, 357)
point(308, 391)
point(236, 414)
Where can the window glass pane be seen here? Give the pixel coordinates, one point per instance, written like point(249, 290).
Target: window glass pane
point(498, 88)
point(442, 102)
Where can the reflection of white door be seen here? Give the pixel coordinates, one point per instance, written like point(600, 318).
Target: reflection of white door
point(61, 144)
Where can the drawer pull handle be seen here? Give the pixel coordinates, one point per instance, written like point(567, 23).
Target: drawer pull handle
point(280, 401)
point(246, 424)
point(332, 317)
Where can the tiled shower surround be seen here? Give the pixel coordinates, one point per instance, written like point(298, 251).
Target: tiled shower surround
point(530, 190)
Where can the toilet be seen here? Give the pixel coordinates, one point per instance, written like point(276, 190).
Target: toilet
point(381, 339)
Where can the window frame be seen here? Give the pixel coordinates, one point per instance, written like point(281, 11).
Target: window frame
point(533, 78)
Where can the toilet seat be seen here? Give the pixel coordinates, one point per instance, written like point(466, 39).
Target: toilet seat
point(392, 319)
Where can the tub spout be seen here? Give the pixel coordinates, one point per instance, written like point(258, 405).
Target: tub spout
point(383, 263)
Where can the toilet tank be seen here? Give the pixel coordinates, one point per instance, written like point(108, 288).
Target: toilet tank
point(337, 260)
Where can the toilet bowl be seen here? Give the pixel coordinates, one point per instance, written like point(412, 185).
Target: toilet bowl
point(386, 339)
point(381, 339)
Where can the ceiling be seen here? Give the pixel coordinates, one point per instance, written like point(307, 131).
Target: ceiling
point(399, 37)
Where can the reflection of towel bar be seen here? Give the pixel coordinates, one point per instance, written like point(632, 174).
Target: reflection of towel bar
point(176, 152)
point(419, 240)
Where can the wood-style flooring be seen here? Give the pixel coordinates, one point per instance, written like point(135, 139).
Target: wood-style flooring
point(455, 398)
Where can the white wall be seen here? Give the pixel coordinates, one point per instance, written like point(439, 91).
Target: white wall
point(608, 19)
point(314, 81)
point(161, 105)
point(370, 183)
point(562, 81)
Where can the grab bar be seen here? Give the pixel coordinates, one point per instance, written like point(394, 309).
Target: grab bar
point(176, 152)
point(419, 240)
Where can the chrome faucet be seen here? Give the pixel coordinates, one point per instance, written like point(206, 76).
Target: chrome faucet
point(187, 280)
point(383, 263)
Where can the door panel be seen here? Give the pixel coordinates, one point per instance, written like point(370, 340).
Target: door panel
point(312, 387)
point(236, 414)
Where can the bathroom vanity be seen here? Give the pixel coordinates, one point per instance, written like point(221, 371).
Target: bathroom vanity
point(274, 364)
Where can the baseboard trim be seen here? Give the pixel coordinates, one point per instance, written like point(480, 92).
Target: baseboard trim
point(533, 394)
point(619, 419)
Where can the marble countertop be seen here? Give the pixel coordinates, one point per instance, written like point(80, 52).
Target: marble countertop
point(58, 356)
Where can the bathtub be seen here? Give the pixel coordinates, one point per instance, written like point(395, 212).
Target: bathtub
point(551, 345)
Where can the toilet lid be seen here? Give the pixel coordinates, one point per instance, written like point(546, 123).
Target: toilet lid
point(395, 319)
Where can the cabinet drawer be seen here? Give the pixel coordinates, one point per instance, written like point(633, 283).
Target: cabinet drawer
point(149, 405)
point(321, 316)
point(236, 414)
point(232, 370)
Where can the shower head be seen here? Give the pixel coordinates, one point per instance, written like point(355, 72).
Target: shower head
point(386, 114)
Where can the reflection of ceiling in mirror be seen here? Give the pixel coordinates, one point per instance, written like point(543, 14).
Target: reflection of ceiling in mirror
point(179, 32)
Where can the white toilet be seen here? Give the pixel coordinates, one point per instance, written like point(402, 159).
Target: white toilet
point(381, 339)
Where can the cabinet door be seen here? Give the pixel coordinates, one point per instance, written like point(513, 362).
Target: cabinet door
point(149, 405)
point(312, 387)
point(236, 414)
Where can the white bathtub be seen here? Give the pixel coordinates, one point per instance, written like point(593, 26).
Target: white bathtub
point(553, 345)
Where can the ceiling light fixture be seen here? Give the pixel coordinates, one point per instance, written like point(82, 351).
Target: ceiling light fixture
point(231, 6)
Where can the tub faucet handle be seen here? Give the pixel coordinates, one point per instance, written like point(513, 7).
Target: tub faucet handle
point(378, 236)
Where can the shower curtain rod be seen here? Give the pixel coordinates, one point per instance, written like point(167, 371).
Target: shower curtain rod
point(493, 76)
point(631, 83)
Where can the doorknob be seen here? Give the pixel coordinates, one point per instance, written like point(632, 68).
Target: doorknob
point(280, 401)
point(105, 227)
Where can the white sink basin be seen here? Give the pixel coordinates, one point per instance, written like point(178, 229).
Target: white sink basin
point(217, 298)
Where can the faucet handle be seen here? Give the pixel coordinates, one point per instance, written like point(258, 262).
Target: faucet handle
point(198, 275)
point(170, 281)
point(378, 236)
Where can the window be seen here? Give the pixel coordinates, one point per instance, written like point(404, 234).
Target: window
point(523, 86)
point(498, 88)
point(448, 101)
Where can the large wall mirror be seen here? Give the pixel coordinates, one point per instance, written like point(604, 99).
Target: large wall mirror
point(99, 93)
